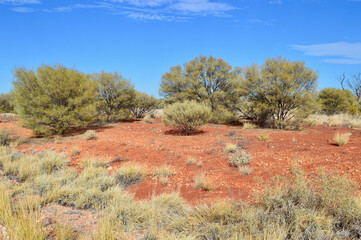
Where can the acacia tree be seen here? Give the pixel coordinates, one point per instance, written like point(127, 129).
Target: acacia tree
point(143, 104)
point(115, 95)
point(53, 98)
point(277, 89)
point(208, 80)
point(335, 100)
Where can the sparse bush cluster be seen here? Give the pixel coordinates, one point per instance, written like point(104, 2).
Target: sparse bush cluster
point(54, 99)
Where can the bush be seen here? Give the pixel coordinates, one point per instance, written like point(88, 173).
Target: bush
point(187, 116)
point(90, 134)
point(6, 103)
point(54, 98)
point(240, 158)
point(335, 101)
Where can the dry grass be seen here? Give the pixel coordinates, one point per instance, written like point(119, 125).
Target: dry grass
point(325, 206)
point(342, 138)
point(249, 126)
point(245, 170)
point(164, 171)
point(230, 147)
point(337, 120)
point(204, 182)
point(90, 135)
point(263, 137)
point(129, 175)
point(148, 119)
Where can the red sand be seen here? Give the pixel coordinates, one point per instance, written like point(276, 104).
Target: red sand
point(154, 145)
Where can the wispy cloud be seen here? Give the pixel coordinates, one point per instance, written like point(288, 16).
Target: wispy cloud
point(172, 9)
point(19, 2)
point(23, 9)
point(275, 2)
point(340, 52)
point(160, 10)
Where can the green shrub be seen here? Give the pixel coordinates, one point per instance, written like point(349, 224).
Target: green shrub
point(6, 102)
point(54, 98)
point(186, 116)
point(240, 158)
point(334, 101)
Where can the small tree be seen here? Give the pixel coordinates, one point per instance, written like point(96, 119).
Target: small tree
point(53, 98)
point(279, 90)
point(143, 104)
point(187, 116)
point(336, 100)
point(115, 95)
point(6, 102)
point(208, 80)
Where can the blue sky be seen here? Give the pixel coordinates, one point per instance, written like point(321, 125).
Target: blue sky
point(142, 39)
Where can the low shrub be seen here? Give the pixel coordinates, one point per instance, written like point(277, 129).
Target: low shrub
point(240, 158)
point(187, 116)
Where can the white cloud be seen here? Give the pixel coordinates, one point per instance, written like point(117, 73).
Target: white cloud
point(23, 9)
point(144, 3)
point(342, 52)
point(201, 6)
point(20, 2)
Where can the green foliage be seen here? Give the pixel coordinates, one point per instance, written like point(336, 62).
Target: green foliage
point(278, 91)
point(115, 95)
point(187, 116)
point(335, 100)
point(143, 104)
point(54, 98)
point(204, 79)
point(7, 102)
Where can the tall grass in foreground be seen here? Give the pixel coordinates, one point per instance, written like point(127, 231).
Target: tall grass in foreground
point(324, 207)
point(342, 138)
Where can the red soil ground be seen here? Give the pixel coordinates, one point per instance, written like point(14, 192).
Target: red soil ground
point(154, 145)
